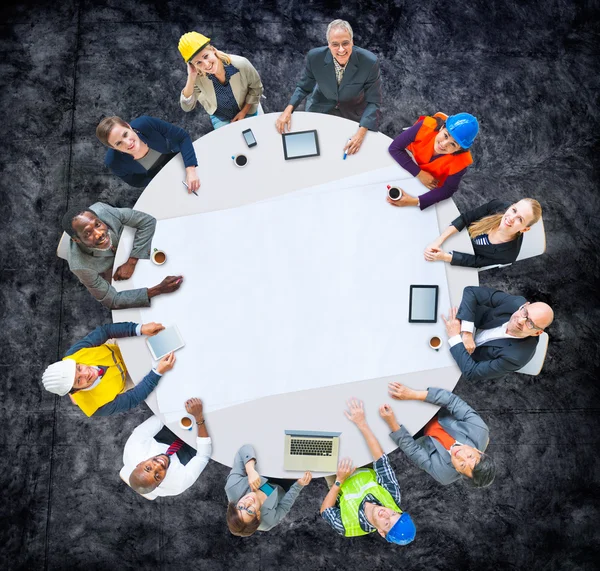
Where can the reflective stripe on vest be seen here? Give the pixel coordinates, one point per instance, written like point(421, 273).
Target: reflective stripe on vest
point(352, 493)
point(111, 384)
point(422, 151)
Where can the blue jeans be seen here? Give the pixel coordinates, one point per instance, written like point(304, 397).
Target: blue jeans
point(216, 122)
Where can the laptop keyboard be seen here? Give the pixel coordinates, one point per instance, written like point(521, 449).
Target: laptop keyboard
point(304, 447)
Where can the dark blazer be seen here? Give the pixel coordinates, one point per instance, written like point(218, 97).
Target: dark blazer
point(486, 255)
point(358, 97)
point(488, 308)
point(459, 420)
point(158, 135)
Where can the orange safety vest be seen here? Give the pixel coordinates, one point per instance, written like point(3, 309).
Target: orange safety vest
point(422, 150)
point(111, 384)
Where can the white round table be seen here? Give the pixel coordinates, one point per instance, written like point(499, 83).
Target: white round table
point(262, 422)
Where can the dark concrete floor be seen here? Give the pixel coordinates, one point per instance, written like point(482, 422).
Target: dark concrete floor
point(529, 71)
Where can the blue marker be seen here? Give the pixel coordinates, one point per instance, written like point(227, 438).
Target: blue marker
point(346, 152)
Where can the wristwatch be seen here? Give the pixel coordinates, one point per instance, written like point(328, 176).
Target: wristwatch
point(337, 483)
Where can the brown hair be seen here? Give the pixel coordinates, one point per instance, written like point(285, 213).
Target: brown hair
point(106, 126)
point(237, 526)
point(489, 223)
point(221, 55)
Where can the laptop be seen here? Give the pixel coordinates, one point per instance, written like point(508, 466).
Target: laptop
point(311, 450)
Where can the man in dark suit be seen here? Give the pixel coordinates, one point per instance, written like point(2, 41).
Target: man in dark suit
point(494, 333)
point(339, 79)
point(454, 440)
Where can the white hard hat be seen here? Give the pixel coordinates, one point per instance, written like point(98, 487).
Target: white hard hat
point(59, 378)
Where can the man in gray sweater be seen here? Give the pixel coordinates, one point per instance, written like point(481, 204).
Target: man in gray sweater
point(95, 233)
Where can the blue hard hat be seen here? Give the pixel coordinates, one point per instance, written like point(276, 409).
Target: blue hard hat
point(463, 128)
point(403, 532)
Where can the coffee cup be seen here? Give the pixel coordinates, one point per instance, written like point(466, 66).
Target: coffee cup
point(240, 160)
point(186, 422)
point(159, 257)
point(435, 343)
point(394, 192)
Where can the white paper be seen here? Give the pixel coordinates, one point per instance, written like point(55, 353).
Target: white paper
point(299, 292)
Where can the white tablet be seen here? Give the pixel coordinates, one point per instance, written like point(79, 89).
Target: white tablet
point(301, 144)
point(423, 304)
point(169, 339)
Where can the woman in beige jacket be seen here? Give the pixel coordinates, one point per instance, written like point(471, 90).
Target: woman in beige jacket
point(227, 86)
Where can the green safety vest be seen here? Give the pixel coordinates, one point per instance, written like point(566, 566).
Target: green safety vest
point(352, 493)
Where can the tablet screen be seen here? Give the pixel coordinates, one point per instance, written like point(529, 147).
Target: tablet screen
point(301, 144)
point(423, 304)
point(169, 339)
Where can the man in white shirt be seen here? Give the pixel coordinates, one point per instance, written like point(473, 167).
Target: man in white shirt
point(494, 333)
point(157, 463)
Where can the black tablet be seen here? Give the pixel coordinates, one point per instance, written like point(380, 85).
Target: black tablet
point(422, 307)
point(300, 145)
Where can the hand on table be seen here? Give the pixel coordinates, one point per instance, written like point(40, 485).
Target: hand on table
point(452, 323)
point(386, 412)
point(356, 413)
point(400, 392)
point(354, 144)
point(253, 479)
point(125, 271)
point(166, 363)
point(345, 469)
point(427, 179)
point(405, 200)
point(168, 285)
point(192, 179)
point(305, 480)
point(152, 328)
point(284, 121)
point(195, 407)
point(468, 341)
point(436, 255)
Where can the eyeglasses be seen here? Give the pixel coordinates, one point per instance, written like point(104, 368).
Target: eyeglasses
point(524, 313)
point(249, 511)
point(345, 44)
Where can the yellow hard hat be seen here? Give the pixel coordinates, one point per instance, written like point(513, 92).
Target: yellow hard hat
point(191, 43)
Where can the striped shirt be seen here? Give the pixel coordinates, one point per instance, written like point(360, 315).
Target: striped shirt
point(386, 479)
point(482, 240)
point(227, 106)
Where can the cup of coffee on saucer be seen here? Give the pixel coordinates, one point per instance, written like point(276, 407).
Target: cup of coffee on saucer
point(435, 343)
point(240, 160)
point(394, 192)
point(186, 422)
point(159, 257)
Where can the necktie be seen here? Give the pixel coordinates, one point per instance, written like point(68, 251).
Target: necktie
point(175, 447)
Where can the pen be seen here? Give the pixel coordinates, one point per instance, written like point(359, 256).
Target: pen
point(346, 152)
point(186, 186)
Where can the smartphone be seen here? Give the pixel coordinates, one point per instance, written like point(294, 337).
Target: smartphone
point(249, 138)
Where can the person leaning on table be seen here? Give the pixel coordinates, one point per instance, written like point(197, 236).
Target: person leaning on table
point(339, 79)
point(454, 442)
point(496, 230)
point(494, 333)
point(226, 85)
point(367, 500)
point(94, 375)
point(137, 151)
point(95, 233)
point(158, 463)
point(440, 156)
point(254, 502)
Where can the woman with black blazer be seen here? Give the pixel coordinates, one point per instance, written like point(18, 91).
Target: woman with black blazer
point(496, 231)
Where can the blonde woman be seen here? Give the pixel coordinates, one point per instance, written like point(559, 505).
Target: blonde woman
point(227, 86)
point(496, 230)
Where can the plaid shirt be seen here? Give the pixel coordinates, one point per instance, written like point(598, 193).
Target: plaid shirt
point(339, 71)
point(386, 479)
